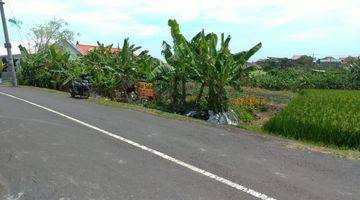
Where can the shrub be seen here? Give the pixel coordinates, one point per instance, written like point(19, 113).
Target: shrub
point(330, 117)
point(243, 115)
point(47, 68)
point(249, 102)
point(245, 107)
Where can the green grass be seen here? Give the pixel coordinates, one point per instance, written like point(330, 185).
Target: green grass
point(327, 117)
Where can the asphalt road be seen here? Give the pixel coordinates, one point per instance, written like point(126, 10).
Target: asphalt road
point(44, 155)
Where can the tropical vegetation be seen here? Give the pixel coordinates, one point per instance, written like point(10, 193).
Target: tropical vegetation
point(206, 59)
point(201, 74)
point(299, 78)
point(329, 117)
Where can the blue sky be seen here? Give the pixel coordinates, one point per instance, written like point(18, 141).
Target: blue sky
point(285, 27)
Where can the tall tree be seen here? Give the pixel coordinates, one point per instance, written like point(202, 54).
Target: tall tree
point(50, 32)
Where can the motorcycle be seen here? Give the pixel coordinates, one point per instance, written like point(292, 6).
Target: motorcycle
point(80, 89)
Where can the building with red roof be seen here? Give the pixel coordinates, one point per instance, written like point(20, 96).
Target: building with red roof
point(86, 48)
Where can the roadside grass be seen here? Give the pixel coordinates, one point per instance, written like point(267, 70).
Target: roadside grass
point(328, 117)
point(250, 128)
point(115, 104)
point(138, 107)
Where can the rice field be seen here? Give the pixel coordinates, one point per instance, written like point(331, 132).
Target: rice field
point(328, 117)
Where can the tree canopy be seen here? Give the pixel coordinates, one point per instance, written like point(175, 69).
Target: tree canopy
point(50, 32)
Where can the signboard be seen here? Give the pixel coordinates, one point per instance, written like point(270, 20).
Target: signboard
point(146, 90)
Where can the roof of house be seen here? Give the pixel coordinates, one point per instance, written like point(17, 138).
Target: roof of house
point(261, 60)
point(329, 59)
point(296, 57)
point(86, 48)
point(68, 46)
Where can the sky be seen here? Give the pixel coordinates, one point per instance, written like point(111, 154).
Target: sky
point(285, 27)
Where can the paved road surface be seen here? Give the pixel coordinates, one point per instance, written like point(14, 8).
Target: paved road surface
point(47, 156)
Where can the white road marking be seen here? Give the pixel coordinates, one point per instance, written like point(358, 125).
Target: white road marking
point(17, 197)
point(158, 153)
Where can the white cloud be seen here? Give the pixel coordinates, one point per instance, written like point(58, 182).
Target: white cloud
point(276, 11)
point(109, 26)
point(127, 17)
point(273, 13)
point(309, 36)
point(39, 8)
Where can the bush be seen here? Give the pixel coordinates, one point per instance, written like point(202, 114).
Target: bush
point(243, 115)
point(245, 107)
point(330, 117)
point(47, 68)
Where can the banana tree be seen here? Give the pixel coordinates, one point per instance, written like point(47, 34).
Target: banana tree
point(100, 64)
point(127, 66)
point(203, 52)
point(57, 63)
point(46, 68)
point(211, 62)
point(227, 70)
point(145, 65)
point(203, 62)
point(74, 72)
point(29, 63)
point(179, 56)
point(162, 76)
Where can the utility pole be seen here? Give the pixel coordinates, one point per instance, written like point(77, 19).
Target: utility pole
point(8, 45)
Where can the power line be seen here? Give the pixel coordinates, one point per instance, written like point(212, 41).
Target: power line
point(13, 15)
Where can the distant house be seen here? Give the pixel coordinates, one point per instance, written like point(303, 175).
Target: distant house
point(296, 57)
point(72, 49)
point(261, 60)
point(329, 61)
point(86, 48)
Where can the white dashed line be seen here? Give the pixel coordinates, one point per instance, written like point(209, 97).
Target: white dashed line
point(158, 153)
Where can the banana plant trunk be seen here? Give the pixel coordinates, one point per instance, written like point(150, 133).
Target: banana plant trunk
point(197, 101)
point(175, 91)
point(128, 98)
point(217, 100)
point(183, 92)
